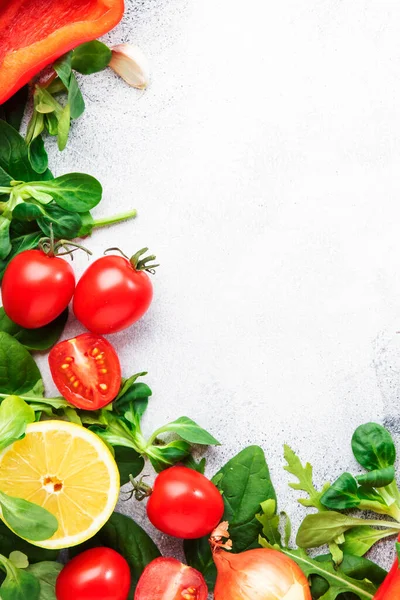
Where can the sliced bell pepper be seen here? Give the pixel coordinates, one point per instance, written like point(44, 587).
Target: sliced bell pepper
point(390, 588)
point(34, 33)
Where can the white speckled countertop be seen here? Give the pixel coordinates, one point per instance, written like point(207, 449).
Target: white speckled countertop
point(264, 164)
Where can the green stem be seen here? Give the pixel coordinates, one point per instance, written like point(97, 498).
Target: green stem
point(5, 190)
point(377, 523)
point(115, 219)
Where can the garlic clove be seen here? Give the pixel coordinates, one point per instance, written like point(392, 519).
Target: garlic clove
point(130, 63)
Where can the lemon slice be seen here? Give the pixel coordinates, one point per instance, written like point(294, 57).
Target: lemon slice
point(68, 470)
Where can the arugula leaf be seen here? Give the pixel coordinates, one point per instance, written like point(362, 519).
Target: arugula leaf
point(18, 584)
point(18, 371)
point(336, 578)
point(28, 520)
point(117, 431)
point(270, 522)
point(122, 534)
point(245, 483)
point(304, 475)
point(13, 110)
point(15, 415)
point(46, 573)
point(91, 57)
point(42, 338)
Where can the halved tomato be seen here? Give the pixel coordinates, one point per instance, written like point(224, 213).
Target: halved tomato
point(169, 579)
point(86, 371)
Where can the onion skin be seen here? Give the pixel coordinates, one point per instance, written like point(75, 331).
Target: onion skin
point(259, 574)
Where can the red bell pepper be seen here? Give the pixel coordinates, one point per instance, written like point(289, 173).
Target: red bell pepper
point(390, 588)
point(34, 33)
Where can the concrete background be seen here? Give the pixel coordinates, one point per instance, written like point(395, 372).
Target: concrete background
point(264, 164)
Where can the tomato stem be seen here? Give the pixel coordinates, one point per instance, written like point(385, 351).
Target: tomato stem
point(52, 248)
point(140, 489)
point(115, 219)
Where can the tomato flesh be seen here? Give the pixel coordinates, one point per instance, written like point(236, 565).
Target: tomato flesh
point(86, 371)
point(169, 579)
point(111, 295)
point(36, 288)
point(184, 503)
point(97, 574)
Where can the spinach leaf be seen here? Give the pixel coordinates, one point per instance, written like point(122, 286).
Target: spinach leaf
point(18, 584)
point(13, 110)
point(37, 155)
point(46, 573)
point(189, 431)
point(14, 155)
point(163, 457)
point(65, 224)
point(129, 462)
point(42, 338)
point(245, 483)
point(125, 536)
point(361, 539)
point(10, 542)
point(28, 520)
point(88, 223)
point(15, 415)
point(377, 478)
point(91, 57)
point(373, 447)
point(18, 371)
point(75, 192)
point(321, 528)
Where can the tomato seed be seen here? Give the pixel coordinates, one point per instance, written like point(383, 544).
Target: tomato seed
point(69, 359)
point(95, 351)
point(189, 594)
point(103, 386)
point(65, 366)
point(103, 371)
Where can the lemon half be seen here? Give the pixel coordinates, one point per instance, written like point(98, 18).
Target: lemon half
point(68, 470)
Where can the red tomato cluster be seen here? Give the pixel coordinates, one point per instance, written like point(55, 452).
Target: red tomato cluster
point(111, 295)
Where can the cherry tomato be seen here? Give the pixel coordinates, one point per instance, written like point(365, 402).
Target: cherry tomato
point(36, 288)
point(184, 503)
point(168, 579)
point(113, 293)
point(86, 371)
point(97, 574)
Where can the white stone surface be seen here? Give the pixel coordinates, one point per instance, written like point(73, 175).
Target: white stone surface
point(264, 164)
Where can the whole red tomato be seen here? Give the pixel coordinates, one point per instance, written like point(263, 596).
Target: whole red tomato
point(97, 574)
point(36, 288)
point(86, 371)
point(113, 293)
point(168, 579)
point(184, 503)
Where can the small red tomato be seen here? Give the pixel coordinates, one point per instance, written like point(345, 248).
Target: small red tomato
point(36, 288)
point(86, 371)
point(97, 574)
point(168, 579)
point(184, 503)
point(114, 292)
